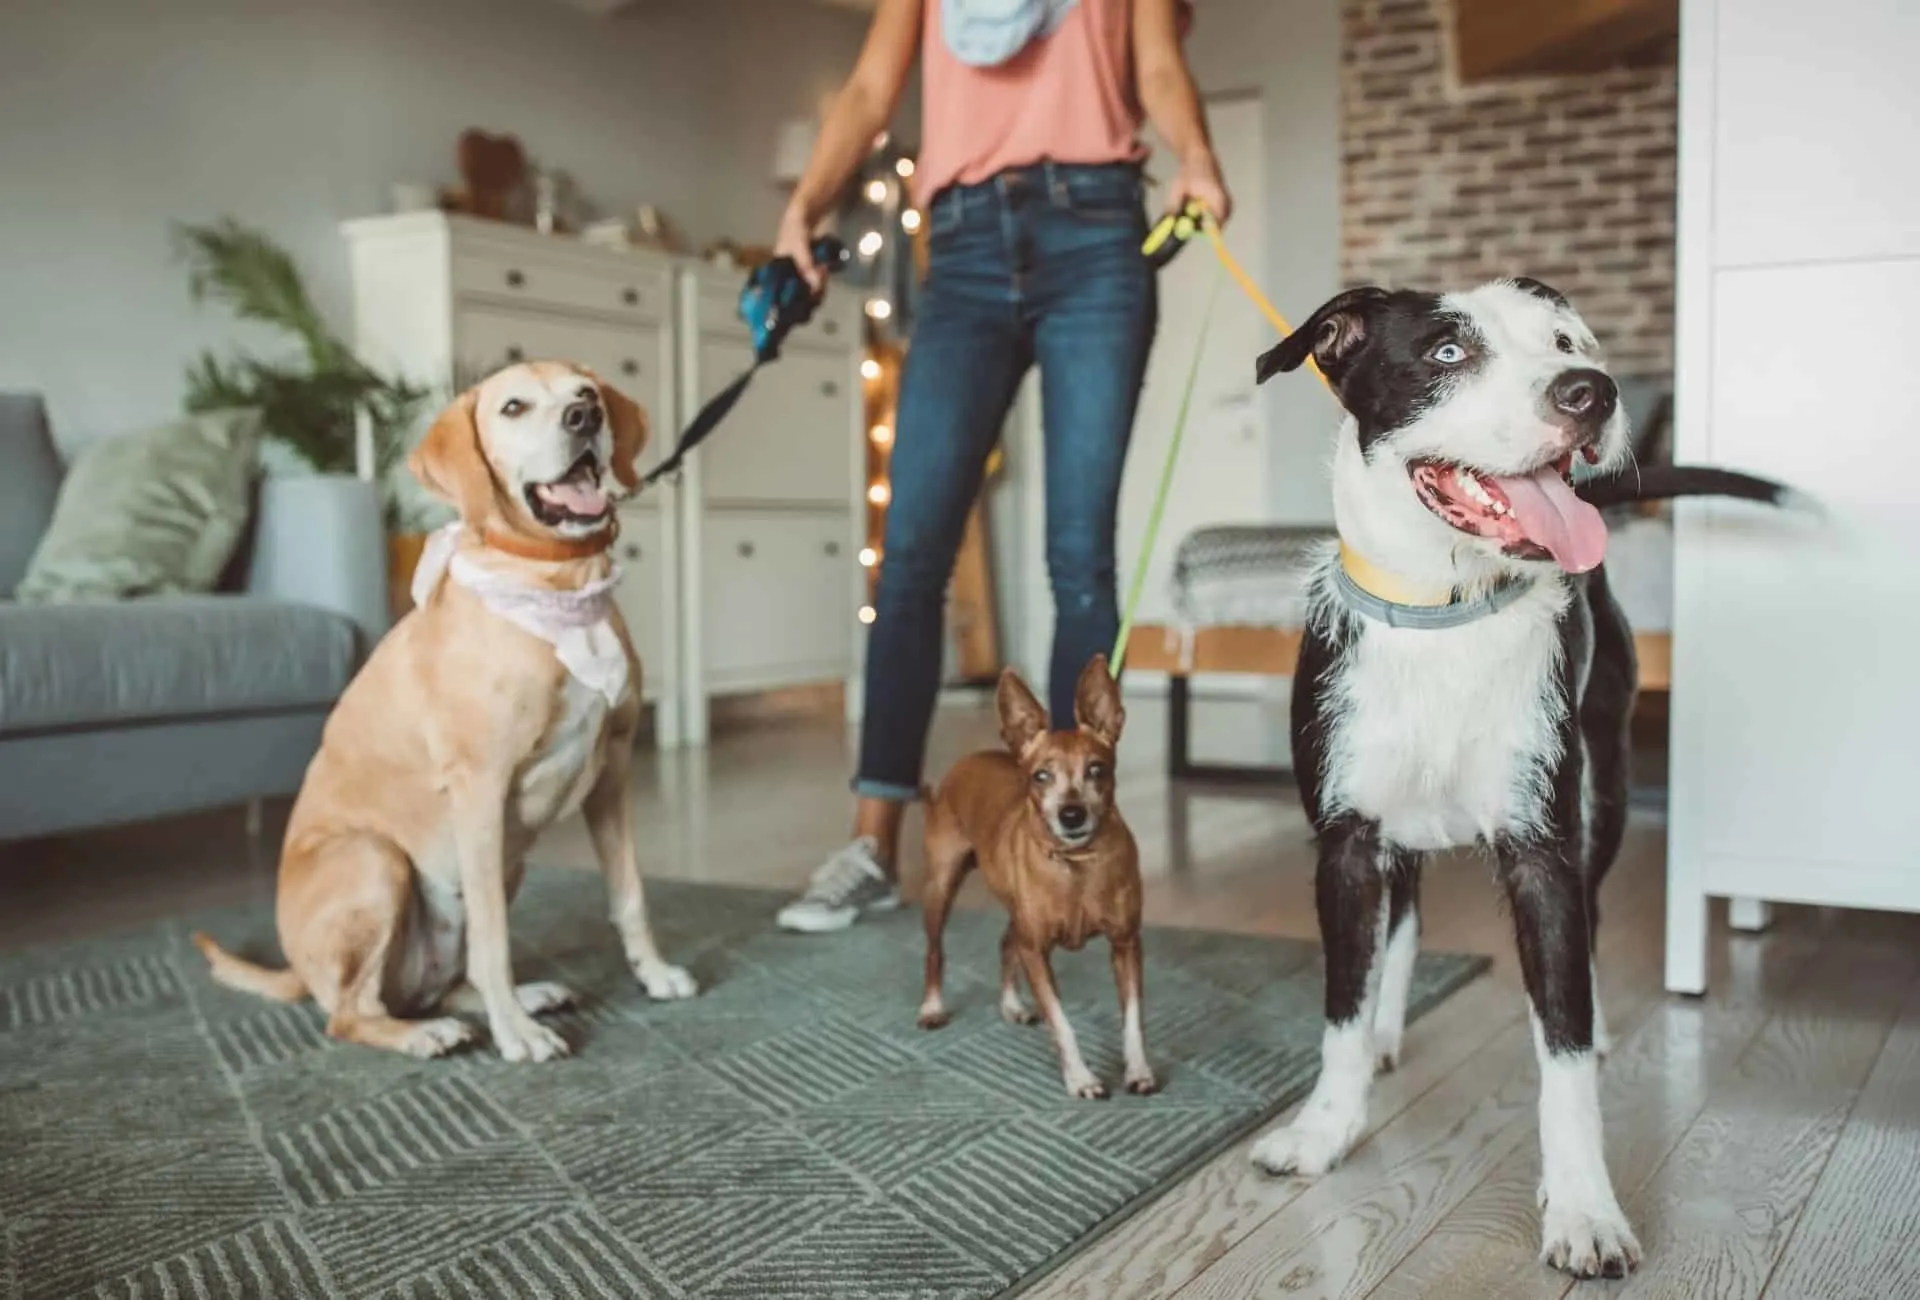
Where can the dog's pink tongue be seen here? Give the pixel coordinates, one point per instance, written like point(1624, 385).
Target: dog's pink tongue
point(582, 497)
point(1549, 513)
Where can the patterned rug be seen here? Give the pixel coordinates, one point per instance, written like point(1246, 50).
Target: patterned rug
point(789, 1133)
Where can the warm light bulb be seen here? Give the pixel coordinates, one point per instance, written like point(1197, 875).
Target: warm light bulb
point(879, 494)
point(882, 140)
point(868, 557)
point(879, 308)
point(904, 167)
point(870, 243)
point(882, 435)
point(866, 614)
point(869, 369)
point(910, 220)
point(876, 191)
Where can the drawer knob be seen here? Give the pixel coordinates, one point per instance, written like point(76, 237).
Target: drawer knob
point(631, 550)
point(631, 297)
point(833, 548)
point(515, 280)
point(515, 355)
point(829, 389)
point(629, 367)
point(746, 550)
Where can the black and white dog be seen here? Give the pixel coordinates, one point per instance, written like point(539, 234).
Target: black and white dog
point(1467, 679)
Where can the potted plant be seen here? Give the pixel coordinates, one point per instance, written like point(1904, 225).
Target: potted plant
point(312, 401)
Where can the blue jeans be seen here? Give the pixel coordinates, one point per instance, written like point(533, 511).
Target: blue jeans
point(1038, 264)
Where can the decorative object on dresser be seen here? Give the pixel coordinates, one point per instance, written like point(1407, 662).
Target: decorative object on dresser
point(438, 297)
point(772, 524)
point(493, 172)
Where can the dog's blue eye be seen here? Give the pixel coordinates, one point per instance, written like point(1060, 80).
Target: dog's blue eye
point(1095, 771)
point(514, 406)
point(1449, 354)
point(1043, 777)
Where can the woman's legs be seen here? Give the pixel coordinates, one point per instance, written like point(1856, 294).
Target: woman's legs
point(1097, 312)
point(970, 349)
point(966, 361)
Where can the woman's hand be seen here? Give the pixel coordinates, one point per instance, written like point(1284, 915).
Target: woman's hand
point(1199, 178)
point(794, 239)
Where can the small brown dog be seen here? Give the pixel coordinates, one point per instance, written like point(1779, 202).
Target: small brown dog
point(1040, 823)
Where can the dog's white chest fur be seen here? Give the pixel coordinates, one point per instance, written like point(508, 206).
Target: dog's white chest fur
point(1446, 737)
point(555, 779)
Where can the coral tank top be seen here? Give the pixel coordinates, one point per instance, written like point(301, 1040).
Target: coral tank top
point(1068, 97)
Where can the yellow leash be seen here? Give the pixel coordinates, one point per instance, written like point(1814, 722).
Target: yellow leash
point(1165, 240)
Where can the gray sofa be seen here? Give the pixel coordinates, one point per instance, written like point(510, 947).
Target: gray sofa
point(123, 710)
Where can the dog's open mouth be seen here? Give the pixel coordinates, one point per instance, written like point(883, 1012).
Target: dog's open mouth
point(574, 498)
point(1533, 516)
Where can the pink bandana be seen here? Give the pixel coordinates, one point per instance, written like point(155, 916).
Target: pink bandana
point(577, 623)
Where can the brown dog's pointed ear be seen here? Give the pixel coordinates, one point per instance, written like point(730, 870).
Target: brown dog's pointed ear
point(1096, 702)
point(1023, 719)
point(449, 462)
point(1334, 334)
point(629, 424)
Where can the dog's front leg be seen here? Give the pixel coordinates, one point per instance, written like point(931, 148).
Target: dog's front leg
point(610, 823)
point(1073, 1067)
point(1349, 889)
point(479, 812)
point(1585, 1232)
point(1129, 976)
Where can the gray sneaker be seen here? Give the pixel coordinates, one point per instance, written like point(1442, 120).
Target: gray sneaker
point(845, 885)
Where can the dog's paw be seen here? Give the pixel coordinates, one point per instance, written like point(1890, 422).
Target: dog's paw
point(1016, 1012)
point(431, 1038)
point(1588, 1244)
point(1315, 1142)
point(542, 996)
point(1142, 1083)
point(1386, 1053)
point(665, 983)
point(526, 1039)
point(1086, 1088)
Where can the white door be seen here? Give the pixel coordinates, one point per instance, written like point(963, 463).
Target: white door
point(1222, 473)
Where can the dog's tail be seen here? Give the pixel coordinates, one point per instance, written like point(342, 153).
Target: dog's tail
point(239, 973)
point(1664, 482)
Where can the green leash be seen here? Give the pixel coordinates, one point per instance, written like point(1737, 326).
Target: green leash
point(1119, 655)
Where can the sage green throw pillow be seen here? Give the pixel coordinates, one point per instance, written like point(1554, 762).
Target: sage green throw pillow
point(156, 511)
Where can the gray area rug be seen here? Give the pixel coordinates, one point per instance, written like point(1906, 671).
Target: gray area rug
point(789, 1133)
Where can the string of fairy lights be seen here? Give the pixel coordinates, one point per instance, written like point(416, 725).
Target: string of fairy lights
point(889, 230)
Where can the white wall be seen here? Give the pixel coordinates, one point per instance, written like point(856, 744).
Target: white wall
point(120, 117)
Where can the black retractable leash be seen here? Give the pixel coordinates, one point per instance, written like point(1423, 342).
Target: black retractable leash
point(776, 298)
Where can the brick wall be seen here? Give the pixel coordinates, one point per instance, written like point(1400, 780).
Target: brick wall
point(1568, 179)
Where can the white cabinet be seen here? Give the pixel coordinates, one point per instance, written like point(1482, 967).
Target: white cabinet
point(1795, 708)
point(438, 298)
point(770, 535)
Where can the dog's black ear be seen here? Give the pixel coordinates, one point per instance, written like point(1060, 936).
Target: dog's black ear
point(1023, 719)
point(1527, 284)
point(1334, 335)
point(1096, 702)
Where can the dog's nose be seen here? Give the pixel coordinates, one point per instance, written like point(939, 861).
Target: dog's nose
point(1073, 816)
point(582, 418)
point(1587, 395)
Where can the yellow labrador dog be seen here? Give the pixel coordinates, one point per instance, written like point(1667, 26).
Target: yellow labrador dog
point(505, 700)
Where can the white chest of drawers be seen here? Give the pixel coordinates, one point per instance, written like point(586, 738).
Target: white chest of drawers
point(773, 517)
point(437, 297)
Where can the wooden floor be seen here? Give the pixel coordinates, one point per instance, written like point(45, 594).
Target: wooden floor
point(1764, 1140)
